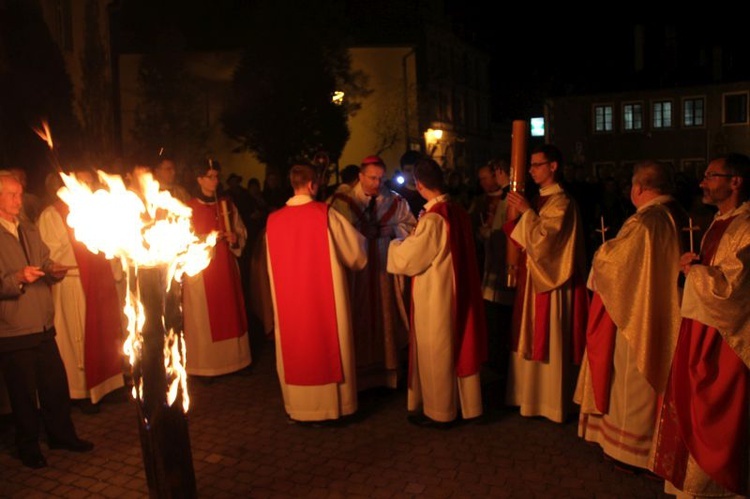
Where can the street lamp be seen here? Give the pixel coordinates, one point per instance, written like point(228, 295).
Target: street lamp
point(432, 138)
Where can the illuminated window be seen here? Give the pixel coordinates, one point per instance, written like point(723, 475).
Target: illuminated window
point(537, 127)
point(603, 118)
point(662, 114)
point(632, 116)
point(692, 111)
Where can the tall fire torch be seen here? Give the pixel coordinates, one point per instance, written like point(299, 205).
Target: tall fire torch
point(517, 184)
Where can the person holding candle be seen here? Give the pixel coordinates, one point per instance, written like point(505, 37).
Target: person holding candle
point(551, 303)
point(216, 331)
point(30, 361)
point(633, 321)
point(702, 443)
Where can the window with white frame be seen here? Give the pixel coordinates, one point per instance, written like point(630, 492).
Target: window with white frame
point(603, 118)
point(632, 116)
point(735, 108)
point(662, 114)
point(692, 111)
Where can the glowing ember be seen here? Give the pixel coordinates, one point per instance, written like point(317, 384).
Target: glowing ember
point(149, 231)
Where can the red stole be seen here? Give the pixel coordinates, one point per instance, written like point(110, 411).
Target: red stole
point(600, 347)
point(300, 259)
point(705, 404)
point(221, 279)
point(470, 326)
point(103, 337)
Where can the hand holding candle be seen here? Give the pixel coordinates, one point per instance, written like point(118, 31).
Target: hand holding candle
point(691, 228)
point(602, 229)
point(227, 223)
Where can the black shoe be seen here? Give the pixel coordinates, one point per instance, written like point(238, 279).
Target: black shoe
point(33, 459)
point(75, 445)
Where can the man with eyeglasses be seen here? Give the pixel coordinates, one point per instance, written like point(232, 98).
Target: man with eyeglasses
point(380, 330)
point(214, 306)
point(703, 448)
point(551, 304)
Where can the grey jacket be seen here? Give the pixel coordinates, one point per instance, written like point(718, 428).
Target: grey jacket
point(28, 310)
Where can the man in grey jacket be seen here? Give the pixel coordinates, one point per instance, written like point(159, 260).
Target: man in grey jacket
point(29, 359)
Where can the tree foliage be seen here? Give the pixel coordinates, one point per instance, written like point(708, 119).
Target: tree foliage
point(34, 86)
point(281, 104)
point(170, 113)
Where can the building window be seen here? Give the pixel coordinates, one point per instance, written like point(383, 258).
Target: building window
point(735, 108)
point(632, 116)
point(692, 111)
point(603, 118)
point(662, 114)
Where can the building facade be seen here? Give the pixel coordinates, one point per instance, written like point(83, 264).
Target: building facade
point(607, 133)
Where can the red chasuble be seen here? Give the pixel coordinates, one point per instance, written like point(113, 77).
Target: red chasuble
point(221, 279)
point(103, 337)
point(470, 327)
point(705, 404)
point(300, 258)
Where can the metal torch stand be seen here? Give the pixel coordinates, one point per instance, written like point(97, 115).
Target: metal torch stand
point(163, 429)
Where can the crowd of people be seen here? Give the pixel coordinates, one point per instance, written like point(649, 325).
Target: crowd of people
point(628, 315)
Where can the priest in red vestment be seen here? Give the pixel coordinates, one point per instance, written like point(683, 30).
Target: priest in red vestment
point(631, 335)
point(448, 341)
point(309, 247)
point(379, 314)
point(702, 445)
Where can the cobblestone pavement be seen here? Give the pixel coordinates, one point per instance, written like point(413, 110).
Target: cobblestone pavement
point(244, 446)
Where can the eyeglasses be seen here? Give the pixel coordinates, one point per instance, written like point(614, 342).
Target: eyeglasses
point(710, 175)
point(535, 165)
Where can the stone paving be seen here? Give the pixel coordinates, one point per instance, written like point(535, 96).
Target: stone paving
point(244, 446)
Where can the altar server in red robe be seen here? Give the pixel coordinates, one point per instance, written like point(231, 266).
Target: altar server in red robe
point(88, 311)
point(448, 341)
point(309, 247)
point(216, 337)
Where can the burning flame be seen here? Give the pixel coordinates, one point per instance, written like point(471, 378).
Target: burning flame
point(146, 230)
point(45, 134)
